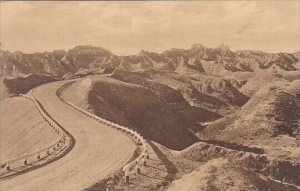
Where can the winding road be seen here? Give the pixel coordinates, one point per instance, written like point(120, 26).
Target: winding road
point(98, 152)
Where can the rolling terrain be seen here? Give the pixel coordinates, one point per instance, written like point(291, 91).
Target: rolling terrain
point(217, 119)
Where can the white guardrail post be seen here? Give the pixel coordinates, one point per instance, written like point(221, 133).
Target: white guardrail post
point(26, 159)
point(134, 165)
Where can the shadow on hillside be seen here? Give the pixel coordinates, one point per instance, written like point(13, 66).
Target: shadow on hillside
point(171, 168)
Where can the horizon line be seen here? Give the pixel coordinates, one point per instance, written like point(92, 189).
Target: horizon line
point(159, 52)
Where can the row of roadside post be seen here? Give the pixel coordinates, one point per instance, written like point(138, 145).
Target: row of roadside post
point(135, 165)
point(59, 144)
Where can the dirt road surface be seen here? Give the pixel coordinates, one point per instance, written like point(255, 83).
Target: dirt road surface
point(99, 150)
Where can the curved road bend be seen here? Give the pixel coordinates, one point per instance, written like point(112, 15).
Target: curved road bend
point(99, 150)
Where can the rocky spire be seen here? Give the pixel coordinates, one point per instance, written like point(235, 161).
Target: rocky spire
point(198, 46)
point(224, 49)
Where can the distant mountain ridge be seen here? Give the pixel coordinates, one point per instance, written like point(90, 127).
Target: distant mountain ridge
point(214, 61)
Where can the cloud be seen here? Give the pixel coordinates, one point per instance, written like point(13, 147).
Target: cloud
point(128, 27)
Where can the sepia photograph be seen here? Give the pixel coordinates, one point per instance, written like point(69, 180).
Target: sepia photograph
point(200, 95)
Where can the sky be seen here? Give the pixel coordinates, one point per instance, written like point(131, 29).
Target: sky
point(125, 28)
